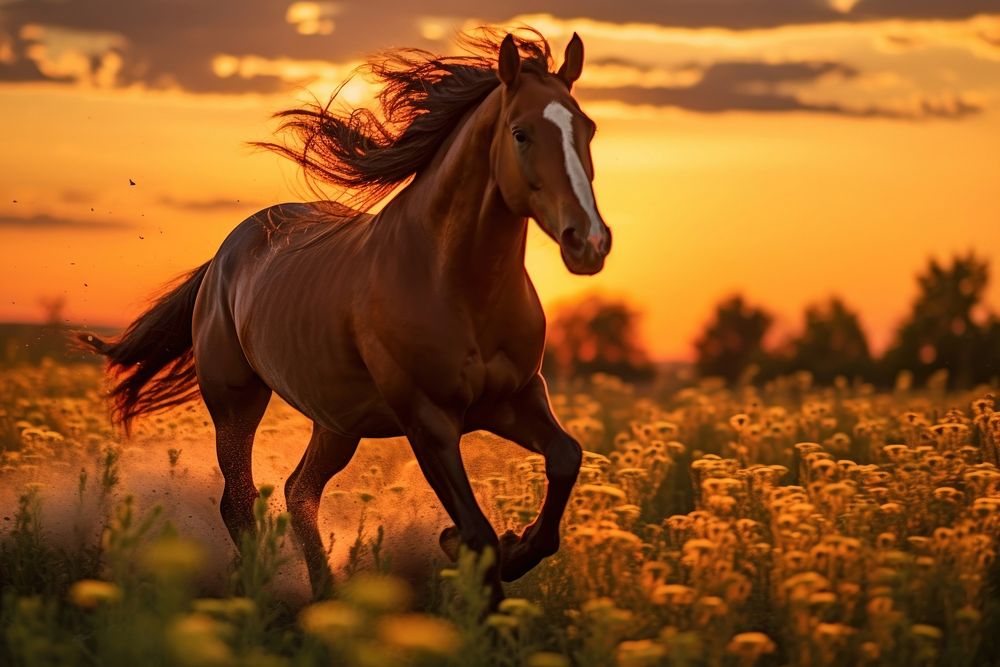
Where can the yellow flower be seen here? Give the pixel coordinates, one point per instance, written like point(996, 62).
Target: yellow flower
point(806, 448)
point(520, 607)
point(750, 644)
point(739, 422)
point(546, 659)
point(926, 632)
point(224, 607)
point(640, 653)
point(170, 557)
point(823, 598)
point(196, 642)
point(699, 546)
point(831, 632)
point(880, 605)
point(329, 619)
point(89, 593)
point(379, 593)
point(602, 490)
point(673, 594)
point(712, 605)
point(418, 632)
point(948, 494)
point(503, 621)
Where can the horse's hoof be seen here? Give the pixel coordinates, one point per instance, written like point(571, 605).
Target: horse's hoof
point(521, 553)
point(450, 543)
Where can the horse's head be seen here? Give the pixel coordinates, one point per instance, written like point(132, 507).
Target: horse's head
point(541, 156)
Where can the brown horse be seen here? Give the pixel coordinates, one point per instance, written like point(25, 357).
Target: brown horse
point(419, 320)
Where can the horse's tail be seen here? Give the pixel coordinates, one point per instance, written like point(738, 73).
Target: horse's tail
point(152, 362)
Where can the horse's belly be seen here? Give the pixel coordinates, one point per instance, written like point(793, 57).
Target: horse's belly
point(318, 373)
point(343, 402)
point(370, 419)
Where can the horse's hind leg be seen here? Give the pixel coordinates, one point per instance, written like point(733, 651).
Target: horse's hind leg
point(326, 455)
point(236, 399)
point(236, 412)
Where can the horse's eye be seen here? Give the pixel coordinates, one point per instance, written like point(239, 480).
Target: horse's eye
point(520, 136)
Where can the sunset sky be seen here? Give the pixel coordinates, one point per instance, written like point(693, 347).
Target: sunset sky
point(785, 149)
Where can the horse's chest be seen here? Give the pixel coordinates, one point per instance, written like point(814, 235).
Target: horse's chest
point(496, 372)
point(501, 375)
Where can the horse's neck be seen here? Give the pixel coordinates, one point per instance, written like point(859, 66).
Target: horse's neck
point(476, 241)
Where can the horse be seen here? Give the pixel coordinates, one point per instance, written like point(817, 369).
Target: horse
point(419, 320)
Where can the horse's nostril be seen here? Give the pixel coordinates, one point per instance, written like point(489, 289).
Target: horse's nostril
point(570, 240)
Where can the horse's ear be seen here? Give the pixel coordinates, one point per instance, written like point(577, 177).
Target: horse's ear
point(509, 62)
point(572, 62)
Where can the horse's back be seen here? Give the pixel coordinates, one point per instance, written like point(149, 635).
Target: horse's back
point(284, 285)
point(269, 238)
point(284, 227)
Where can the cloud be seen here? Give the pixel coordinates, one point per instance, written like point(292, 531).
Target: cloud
point(162, 45)
point(17, 66)
point(43, 221)
point(22, 71)
point(770, 88)
point(732, 14)
point(76, 196)
point(208, 205)
point(921, 9)
point(979, 36)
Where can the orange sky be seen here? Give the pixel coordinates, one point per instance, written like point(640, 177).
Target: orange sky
point(788, 162)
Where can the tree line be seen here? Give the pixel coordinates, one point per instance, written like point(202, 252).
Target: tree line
point(948, 327)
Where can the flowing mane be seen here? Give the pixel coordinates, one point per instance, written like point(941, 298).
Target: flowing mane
point(422, 98)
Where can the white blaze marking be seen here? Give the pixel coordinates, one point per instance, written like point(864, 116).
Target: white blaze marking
point(563, 119)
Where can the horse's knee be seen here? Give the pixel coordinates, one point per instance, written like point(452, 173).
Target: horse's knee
point(563, 459)
point(290, 489)
point(302, 503)
point(236, 507)
point(238, 498)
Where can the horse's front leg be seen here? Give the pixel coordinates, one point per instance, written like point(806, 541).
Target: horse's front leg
point(527, 420)
point(434, 435)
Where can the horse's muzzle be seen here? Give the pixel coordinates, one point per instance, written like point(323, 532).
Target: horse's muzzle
point(584, 256)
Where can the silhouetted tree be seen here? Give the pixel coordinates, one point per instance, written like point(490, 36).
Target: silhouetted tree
point(53, 308)
point(732, 339)
point(596, 335)
point(941, 331)
point(832, 343)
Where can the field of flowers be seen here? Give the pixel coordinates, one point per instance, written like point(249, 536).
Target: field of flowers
point(785, 525)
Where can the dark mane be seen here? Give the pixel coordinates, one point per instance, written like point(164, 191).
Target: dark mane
point(422, 98)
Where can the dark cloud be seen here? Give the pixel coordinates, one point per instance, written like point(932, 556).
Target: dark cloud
point(18, 67)
point(763, 87)
point(23, 70)
point(74, 196)
point(733, 14)
point(173, 42)
point(43, 221)
point(208, 205)
point(921, 9)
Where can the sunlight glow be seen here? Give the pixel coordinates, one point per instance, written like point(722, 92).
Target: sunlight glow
point(312, 18)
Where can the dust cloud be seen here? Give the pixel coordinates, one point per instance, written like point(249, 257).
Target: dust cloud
point(382, 484)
